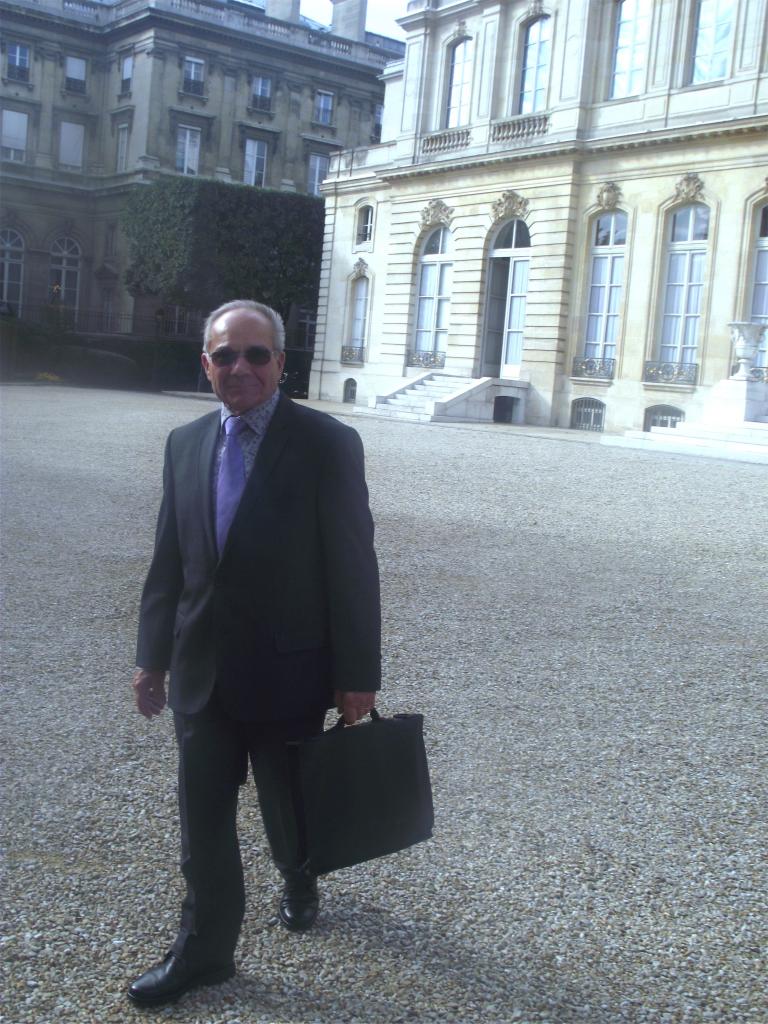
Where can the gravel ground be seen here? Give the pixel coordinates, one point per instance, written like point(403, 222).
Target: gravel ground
point(584, 630)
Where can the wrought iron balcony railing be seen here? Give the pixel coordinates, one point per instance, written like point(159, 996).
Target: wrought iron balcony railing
point(661, 372)
point(194, 86)
point(352, 354)
point(429, 360)
point(58, 318)
point(588, 366)
point(18, 73)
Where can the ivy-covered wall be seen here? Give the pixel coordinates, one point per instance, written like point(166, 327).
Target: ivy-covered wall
point(198, 242)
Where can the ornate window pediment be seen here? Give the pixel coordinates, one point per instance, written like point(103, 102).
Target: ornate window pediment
point(510, 205)
point(608, 196)
point(435, 213)
point(689, 188)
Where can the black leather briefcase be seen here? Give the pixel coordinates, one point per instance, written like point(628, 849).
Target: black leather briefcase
point(366, 791)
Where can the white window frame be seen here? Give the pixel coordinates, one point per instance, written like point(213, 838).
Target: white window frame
point(71, 145)
point(64, 272)
point(433, 297)
point(604, 296)
point(458, 96)
point(711, 45)
point(535, 66)
point(17, 64)
point(683, 298)
point(517, 256)
point(255, 163)
point(188, 133)
point(13, 142)
point(314, 178)
point(759, 308)
point(11, 260)
point(193, 80)
point(364, 225)
point(75, 74)
point(323, 109)
point(361, 290)
point(261, 93)
point(126, 73)
point(123, 140)
point(630, 48)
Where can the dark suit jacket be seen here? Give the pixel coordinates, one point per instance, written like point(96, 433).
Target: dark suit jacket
point(290, 610)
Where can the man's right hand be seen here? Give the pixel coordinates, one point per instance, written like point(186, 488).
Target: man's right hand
point(149, 691)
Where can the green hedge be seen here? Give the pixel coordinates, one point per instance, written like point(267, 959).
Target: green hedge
point(198, 242)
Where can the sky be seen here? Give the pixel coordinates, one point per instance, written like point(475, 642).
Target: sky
point(381, 15)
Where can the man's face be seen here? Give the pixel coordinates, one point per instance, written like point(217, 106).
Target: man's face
point(240, 383)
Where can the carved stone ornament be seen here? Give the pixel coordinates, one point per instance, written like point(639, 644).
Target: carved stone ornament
point(535, 7)
point(508, 205)
point(689, 187)
point(608, 196)
point(435, 213)
point(360, 269)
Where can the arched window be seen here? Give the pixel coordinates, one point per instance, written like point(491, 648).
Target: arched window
point(662, 416)
point(11, 268)
point(760, 287)
point(507, 297)
point(684, 284)
point(605, 290)
point(364, 229)
point(459, 84)
point(350, 390)
point(435, 272)
point(535, 66)
point(587, 414)
point(64, 277)
point(630, 53)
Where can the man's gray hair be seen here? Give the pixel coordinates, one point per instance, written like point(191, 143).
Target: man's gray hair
point(278, 327)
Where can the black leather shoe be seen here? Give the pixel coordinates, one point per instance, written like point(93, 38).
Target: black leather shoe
point(171, 979)
point(300, 902)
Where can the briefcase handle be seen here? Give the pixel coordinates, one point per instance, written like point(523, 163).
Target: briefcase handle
point(375, 717)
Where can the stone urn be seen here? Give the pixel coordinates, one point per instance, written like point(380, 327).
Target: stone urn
point(745, 336)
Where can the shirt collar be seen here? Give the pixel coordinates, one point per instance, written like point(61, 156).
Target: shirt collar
point(257, 418)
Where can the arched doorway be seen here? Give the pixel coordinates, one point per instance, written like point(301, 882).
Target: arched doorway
point(505, 308)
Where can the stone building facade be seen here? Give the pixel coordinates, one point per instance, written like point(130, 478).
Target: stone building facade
point(97, 99)
point(568, 208)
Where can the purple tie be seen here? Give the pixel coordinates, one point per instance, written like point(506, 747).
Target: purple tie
point(231, 481)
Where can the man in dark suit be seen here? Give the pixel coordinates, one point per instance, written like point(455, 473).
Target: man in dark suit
point(262, 601)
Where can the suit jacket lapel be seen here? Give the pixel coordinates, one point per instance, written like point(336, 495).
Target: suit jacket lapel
point(270, 449)
point(205, 478)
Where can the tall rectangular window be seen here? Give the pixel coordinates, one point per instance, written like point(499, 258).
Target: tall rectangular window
point(255, 166)
point(712, 40)
point(630, 55)
point(123, 135)
point(71, 143)
point(459, 85)
point(605, 286)
point(323, 111)
point(194, 76)
point(18, 62)
point(684, 285)
point(13, 145)
point(318, 171)
point(187, 150)
point(261, 93)
point(760, 286)
point(535, 74)
point(126, 73)
point(74, 72)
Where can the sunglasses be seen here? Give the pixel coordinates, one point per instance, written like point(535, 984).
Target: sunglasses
point(256, 355)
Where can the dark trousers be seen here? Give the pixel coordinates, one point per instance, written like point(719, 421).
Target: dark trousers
point(214, 750)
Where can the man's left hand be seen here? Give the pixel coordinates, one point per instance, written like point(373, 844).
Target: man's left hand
point(353, 704)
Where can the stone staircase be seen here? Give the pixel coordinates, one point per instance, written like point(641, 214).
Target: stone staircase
point(424, 399)
point(748, 443)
